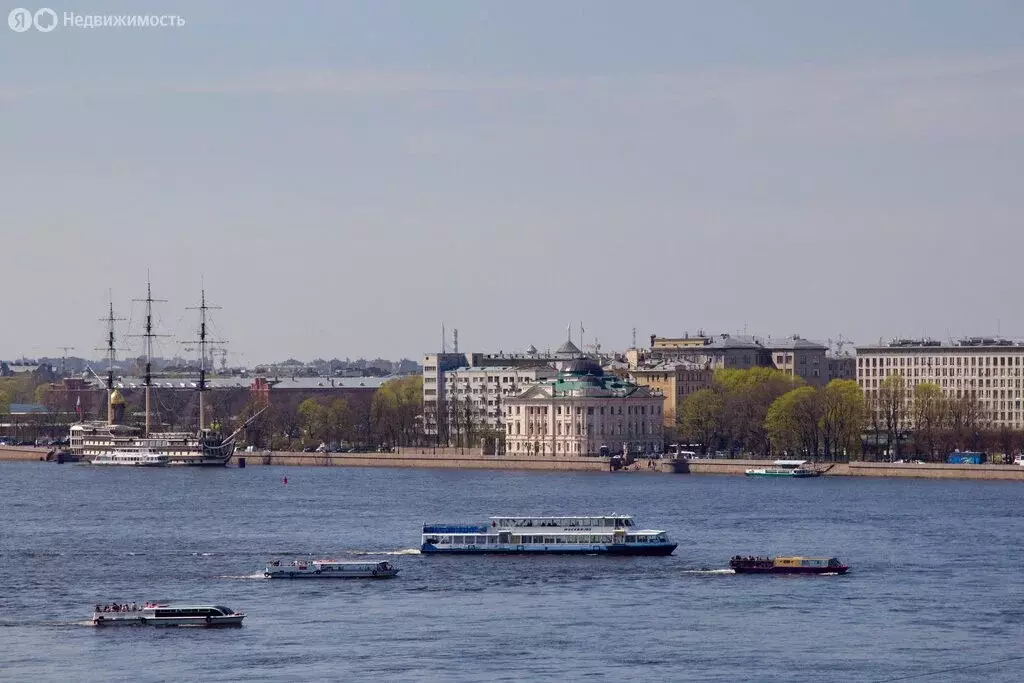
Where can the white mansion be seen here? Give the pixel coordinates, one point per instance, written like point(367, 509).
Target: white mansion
point(583, 412)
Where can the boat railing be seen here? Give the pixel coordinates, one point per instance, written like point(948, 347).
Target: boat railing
point(455, 528)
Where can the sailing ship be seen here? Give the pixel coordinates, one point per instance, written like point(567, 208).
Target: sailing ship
point(89, 440)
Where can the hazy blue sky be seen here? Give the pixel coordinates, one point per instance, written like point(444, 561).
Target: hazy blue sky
point(348, 175)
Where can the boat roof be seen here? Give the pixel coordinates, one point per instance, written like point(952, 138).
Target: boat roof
point(790, 463)
point(591, 516)
point(352, 562)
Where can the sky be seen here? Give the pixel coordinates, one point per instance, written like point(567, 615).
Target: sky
point(346, 177)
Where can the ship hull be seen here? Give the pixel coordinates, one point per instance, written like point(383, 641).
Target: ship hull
point(648, 549)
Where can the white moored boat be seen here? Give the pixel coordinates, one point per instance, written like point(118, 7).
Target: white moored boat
point(329, 569)
point(162, 614)
point(584, 535)
point(143, 458)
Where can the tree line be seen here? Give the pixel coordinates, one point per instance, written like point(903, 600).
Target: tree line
point(390, 417)
point(765, 411)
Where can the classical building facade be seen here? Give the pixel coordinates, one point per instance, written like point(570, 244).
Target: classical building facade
point(986, 369)
point(675, 381)
point(583, 412)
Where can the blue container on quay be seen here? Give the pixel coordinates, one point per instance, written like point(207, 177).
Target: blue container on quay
point(966, 458)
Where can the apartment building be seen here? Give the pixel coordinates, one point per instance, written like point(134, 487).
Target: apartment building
point(984, 368)
point(675, 381)
point(793, 355)
point(462, 391)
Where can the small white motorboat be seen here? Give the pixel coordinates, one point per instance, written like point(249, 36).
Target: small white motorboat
point(329, 569)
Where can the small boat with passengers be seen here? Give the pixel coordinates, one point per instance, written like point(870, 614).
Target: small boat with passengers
point(142, 458)
point(787, 565)
point(164, 614)
point(329, 569)
point(784, 468)
point(584, 535)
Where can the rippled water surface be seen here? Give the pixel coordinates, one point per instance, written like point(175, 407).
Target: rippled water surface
point(936, 583)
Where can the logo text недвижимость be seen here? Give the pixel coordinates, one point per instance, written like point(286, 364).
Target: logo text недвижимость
point(45, 20)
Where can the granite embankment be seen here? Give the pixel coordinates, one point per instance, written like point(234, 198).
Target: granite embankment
point(456, 458)
point(23, 453)
point(442, 458)
point(863, 469)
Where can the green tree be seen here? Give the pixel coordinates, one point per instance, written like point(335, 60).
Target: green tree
point(930, 410)
point(339, 421)
point(312, 419)
point(747, 396)
point(793, 421)
point(843, 413)
point(892, 400)
point(701, 417)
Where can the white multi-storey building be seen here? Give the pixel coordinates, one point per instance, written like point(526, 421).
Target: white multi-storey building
point(477, 394)
point(986, 369)
point(462, 392)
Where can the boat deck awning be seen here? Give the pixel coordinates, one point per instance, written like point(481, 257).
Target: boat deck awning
point(790, 463)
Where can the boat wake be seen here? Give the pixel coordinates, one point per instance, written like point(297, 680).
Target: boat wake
point(405, 551)
point(709, 572)
point(246, 577)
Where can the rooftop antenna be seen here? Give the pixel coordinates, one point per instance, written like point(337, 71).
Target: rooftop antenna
point(203, 342)
point(111, 356)
point(148, 336)
point(581, 335)
point(444, 341)
point(634, 337)
point(64, 359)
point(455, 340)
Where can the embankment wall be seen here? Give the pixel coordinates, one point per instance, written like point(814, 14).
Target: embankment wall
point(426, 459)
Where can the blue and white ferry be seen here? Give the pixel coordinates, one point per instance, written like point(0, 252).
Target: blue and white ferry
point(585, 535)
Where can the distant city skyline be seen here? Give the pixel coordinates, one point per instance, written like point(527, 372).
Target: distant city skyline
point(346, 177)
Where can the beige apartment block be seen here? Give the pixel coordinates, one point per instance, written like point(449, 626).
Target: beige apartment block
point(675, 381)
point(987, 369)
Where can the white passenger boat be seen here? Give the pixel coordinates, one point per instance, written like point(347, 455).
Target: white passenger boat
point(162, 614)
point(585, 535)
point(329, 569)
point(784, 468)
point(142, 458)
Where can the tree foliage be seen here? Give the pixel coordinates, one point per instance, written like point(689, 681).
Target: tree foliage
point(701, 416)
point(892, 403)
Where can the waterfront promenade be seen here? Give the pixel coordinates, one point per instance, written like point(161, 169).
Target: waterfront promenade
point(469, 458)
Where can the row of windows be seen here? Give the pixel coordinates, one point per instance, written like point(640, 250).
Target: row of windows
point(541, 428)
point(949, 383)
point(908, 361)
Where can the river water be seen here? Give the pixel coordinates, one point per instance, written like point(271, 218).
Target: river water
point(935, 590)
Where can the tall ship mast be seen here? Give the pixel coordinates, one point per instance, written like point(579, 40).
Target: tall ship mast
point(203, 342)
point(148, 336)
point(92, 439)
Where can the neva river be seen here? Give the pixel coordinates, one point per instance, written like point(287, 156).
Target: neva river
point(936, 582)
